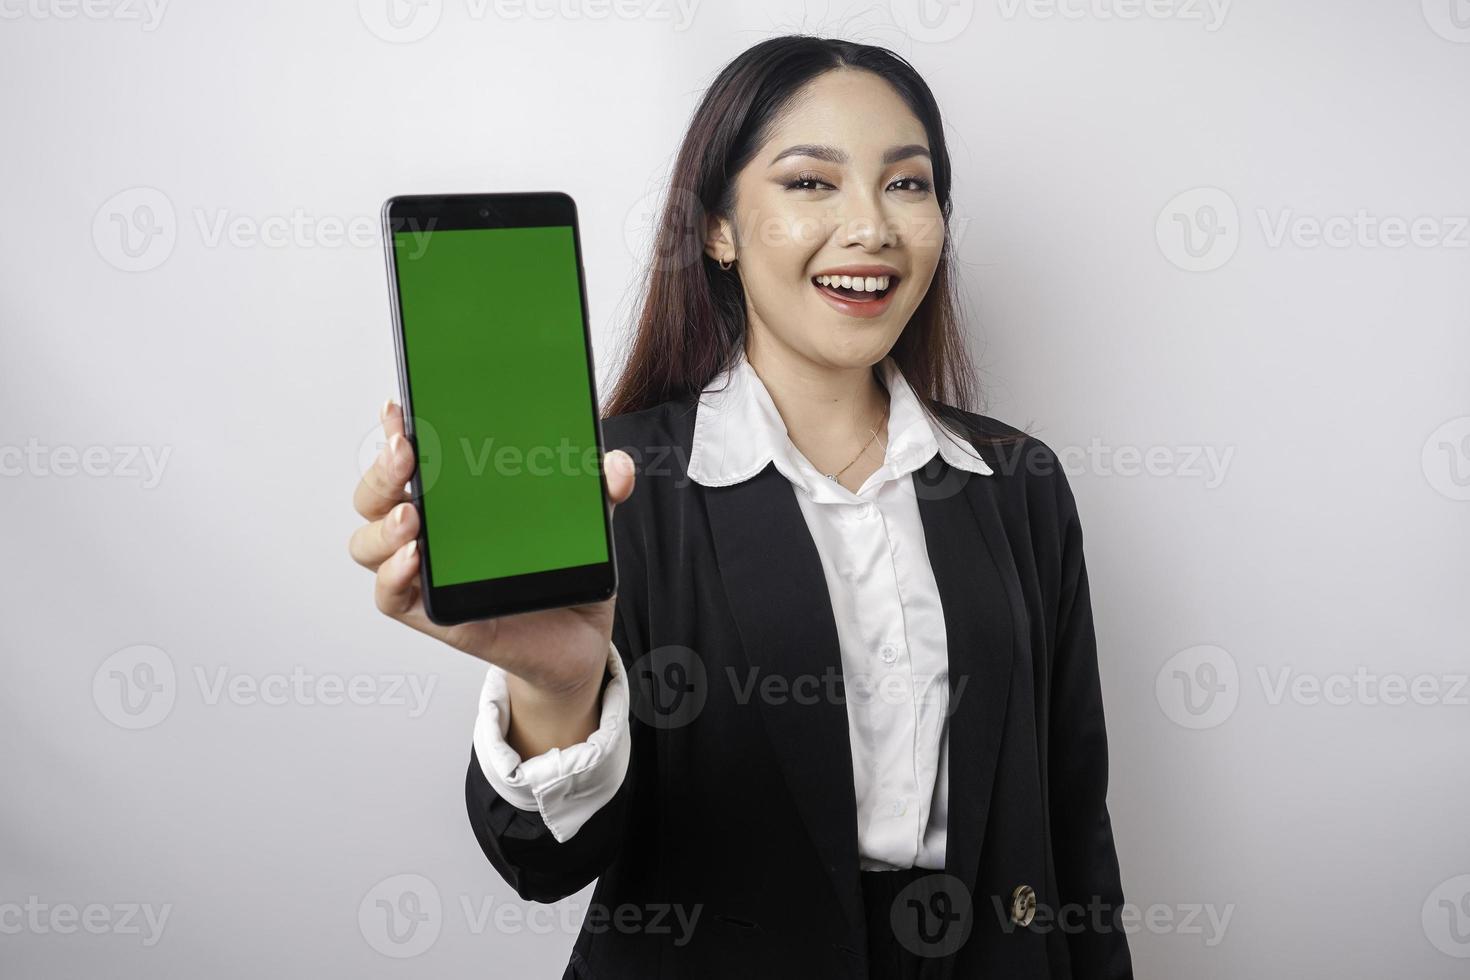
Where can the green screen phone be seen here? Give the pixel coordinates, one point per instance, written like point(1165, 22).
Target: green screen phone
point(499, 393)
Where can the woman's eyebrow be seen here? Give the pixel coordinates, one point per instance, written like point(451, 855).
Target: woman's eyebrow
point(833, 154)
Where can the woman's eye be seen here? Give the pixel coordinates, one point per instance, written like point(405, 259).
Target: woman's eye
point(802, 181)
point(796, 183)
point(919, 183)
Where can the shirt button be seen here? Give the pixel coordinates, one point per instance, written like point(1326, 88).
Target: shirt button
point(900, 807)
point(888, 654)
point(864, 512)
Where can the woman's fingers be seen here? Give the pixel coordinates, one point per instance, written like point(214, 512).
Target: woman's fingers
point(618, 466)
point(388, 542)
point(382, 486)
point(396, 591)
point(372, 543)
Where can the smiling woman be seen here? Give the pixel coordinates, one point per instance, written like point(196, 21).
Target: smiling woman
point(818, 502)
point(841, 169)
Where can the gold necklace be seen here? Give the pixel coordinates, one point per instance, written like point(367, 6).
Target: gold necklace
point(833, 476)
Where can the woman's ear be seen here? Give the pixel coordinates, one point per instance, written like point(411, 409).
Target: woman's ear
point(719, 239)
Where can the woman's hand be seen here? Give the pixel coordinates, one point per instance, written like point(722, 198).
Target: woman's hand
point(558, 655)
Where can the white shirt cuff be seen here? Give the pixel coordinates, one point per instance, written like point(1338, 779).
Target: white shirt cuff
point(566, 786)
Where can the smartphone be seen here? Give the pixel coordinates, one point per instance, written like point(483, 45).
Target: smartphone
point(498, 388)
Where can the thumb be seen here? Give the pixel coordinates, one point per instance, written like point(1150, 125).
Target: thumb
point(619, 468)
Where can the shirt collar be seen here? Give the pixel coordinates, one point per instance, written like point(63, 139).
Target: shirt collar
point(737, 431)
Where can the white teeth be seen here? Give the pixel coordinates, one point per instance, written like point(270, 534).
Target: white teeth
point(866, 284)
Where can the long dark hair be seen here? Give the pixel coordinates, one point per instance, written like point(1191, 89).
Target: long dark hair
point(691, 319)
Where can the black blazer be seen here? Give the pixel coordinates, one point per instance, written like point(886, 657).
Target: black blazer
point(738, 810)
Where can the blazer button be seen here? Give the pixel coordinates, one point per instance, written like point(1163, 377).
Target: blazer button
point(1023, 905)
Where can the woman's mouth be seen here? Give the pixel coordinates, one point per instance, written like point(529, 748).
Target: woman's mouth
point(862, 296)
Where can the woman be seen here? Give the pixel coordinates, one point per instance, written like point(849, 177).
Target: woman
point(842, 718)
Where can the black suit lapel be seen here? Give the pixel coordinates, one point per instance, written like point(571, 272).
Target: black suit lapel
point(979, 591)
point(771, 572)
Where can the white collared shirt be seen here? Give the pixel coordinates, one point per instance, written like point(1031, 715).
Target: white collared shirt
point(885, 602)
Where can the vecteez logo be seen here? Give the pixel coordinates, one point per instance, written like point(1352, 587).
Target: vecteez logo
point(1445, 917)
point(148, 14)
point(1200, 230)
point(932, 21)
point(1450, 19)
point(407, 21)
point(400, 21)
point(401, 916)
point(135, 687)
point(138, 687)
point(137, 230)
point(1198, 687)
point(1445, 459)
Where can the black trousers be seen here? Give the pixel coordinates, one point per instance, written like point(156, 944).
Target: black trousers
point(899, 947)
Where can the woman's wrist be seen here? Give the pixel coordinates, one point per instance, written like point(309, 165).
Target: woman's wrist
point(541, 721)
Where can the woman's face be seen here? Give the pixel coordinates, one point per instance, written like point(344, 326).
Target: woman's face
point(843, 185)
